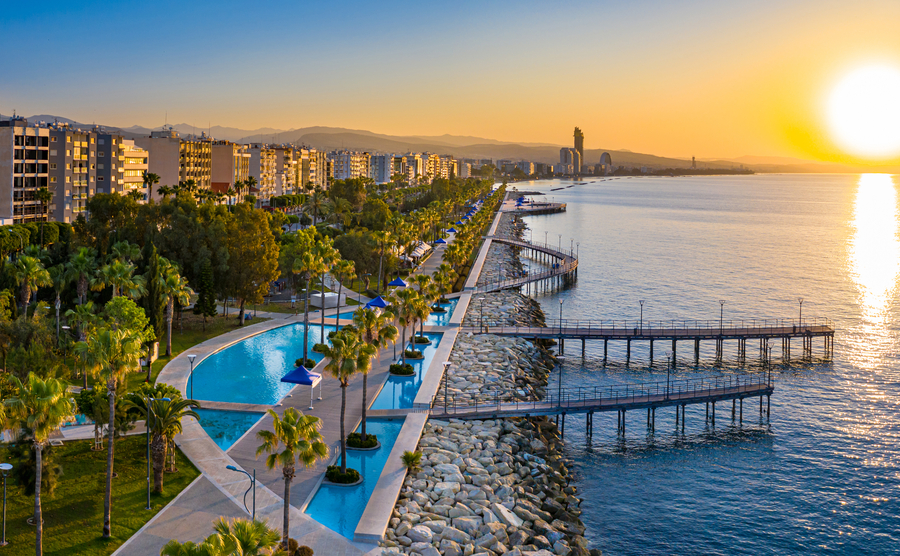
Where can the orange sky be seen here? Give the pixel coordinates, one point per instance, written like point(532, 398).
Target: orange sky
point(702, 78)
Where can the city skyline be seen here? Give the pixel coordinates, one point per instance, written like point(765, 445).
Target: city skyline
point(728, 81)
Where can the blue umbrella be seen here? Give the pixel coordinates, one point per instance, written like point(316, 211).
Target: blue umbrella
point(459, 222)
point(452, 230)
point(302, 375)
point(465, 217)
point(377, 303)
point(398, 282)
point(440, 240)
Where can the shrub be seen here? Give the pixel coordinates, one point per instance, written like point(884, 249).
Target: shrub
point(411, 460)
point(354, 440)
point(438, 309)
point(414, 354)
point(334, 475)
point(309, 363)
point(402, 370)
point(303, 551)
point(420, 340)
point(320, 348)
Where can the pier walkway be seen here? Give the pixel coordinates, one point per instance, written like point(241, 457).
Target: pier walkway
point(650, 396)
point(563, 264)
point(750, 329)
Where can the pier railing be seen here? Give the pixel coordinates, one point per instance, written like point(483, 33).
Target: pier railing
point(649, 329)
point(568, 262)
point(607, 398)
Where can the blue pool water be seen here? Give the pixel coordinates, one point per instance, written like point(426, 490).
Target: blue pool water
point(339, 508)
point(226, 427)
point(442, 319)
point(400, 392)
point(347, 314)
point(251, 370)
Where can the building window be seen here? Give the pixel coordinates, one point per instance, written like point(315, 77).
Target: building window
point(53, 166)
point(92, 140)
point(100, 178)
point(53, 139)
point(52, 179)
point(101, 154)
point(68, 179)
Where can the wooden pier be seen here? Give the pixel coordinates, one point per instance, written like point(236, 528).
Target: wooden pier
point(563, 265)
point(650, 396)
point(762, 330)
point(532, 209)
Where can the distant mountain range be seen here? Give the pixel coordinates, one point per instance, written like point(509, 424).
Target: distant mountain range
point(333, 138)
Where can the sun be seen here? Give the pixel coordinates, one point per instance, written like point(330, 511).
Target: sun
point(864, 112)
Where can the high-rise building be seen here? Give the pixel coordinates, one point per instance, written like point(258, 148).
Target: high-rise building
point(73, 171)
point(230, 164)
point(570, 157)
point(350, 164)
point(262, 168)
point(287, 160)
point(24, 168)
point(175, 159)
point(381, 168)
point(120, 165)
point(579, 146)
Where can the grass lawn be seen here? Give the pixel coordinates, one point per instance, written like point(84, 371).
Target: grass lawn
point(73, 516)
point(192, 335)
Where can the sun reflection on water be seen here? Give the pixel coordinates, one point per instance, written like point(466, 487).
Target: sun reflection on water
point(874, 263)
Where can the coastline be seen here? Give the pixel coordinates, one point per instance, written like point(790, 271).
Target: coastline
point(499, 486)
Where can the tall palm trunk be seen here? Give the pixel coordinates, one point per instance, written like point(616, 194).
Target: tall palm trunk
point(306, 319)
point(403, 353)
point(158, 446)
point(38, 514)
point(337, 313)
point(365, 383)
point(288, 473)
point(26, 296)
point(343, 437)
point(241, 314)
point(170, 316)
point(107, 502)
point(322, 308)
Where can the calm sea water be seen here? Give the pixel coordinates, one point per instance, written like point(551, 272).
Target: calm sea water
point(823, 476)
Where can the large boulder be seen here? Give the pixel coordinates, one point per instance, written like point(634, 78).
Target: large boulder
point(420, 533)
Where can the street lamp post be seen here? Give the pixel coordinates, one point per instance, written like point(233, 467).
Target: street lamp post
point(446, 372)
point(641, 301)
point(721, 315)
point(481, 316)
point(559, 243)
point(561, 359)
point(668, 371)
point(147, 426)
point(560, 324)
point(5, 468)
point(545, 237)
point(191, 358)
point(800, 299)
point(252, 487)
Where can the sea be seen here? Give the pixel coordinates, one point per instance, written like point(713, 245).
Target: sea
point(821, 475)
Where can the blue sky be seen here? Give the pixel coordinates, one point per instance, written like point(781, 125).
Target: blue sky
point(665, 77)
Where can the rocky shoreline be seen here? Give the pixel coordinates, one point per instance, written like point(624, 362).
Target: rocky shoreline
point(498, 486)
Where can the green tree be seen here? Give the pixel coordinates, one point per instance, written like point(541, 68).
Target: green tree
point(309, 265)
point(299, 436)
point(120, 275)
point(376, 329)
point(44, 196)
point(164, 420)
point(39, 406)
point(154, 303)
point(343, 271)
point(81, 267)
point(150, 179)
point(30, 275)
point(173, 288)
point(206, 301)
point(348, 355)
point(252, 255)
point(110, 353)
point(254, 538)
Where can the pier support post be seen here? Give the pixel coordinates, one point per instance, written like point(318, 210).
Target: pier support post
point(582, 348)
point(628, 350)
point(562, 430)
point(707, 411)
point(683, 419)
point(651, 351)
point(674, 352)
point(605, 346)
point(742, 411)
point(768, 406)
point(653, 419)
point(676, 417)
point(714, 414)
point(648, 418)
point(760, 406)
point(733, 409)
point(697, 352)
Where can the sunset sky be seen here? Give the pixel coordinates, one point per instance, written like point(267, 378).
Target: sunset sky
point(702, 78)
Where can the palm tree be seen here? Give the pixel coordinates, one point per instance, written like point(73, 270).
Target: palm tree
point(214, 545)
point(111, 354)
point(44, 196)
point(164, 422)
point(427, 292)
point(342, 270)
point(165, 191)
point(58, 279)
point(30, 275)
point(300, 437)
point(83, 318)
point(174, 288)
point(375, 328)
point(80, 268)
point(444, 277)
point(150, 179)
point(253, 537)
point(315, 202)
point(39, 406)
point(125, 251)
point(407, 308)
point(349, 355)
point(120, 275)
point(383, 238)
point(329, 257)
point(309, 266)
